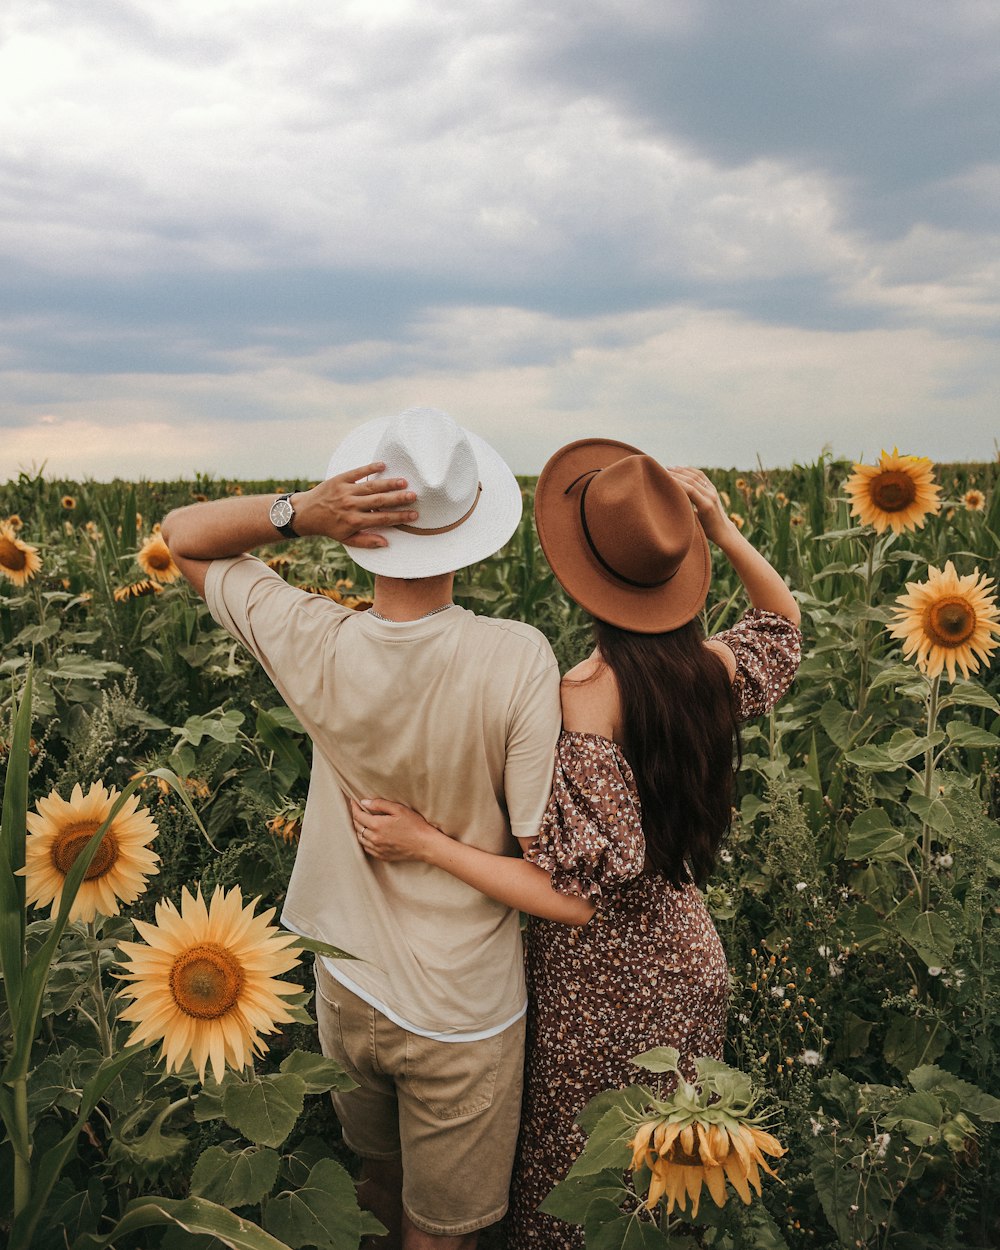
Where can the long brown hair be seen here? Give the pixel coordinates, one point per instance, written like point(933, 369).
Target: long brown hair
point(680, 734)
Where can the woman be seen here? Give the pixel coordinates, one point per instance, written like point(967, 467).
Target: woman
point(621, 953)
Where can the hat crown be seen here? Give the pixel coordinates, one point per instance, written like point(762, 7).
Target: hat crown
point(638, 520)
point(435, 456)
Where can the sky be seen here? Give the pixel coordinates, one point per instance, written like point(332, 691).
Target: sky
point(723, 231)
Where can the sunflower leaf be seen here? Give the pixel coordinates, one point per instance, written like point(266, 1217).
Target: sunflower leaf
point(234, 1178)
point(607, 1146)
point(319, 1073)
point(323, 1213)
point(12, 840)
point(193, 1215)
point(971, 735)
point(659, 1059)
point(265, 1110)
point(571, 1198)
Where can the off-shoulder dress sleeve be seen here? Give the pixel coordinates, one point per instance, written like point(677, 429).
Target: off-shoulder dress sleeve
point(768, 648)
point(590, 839)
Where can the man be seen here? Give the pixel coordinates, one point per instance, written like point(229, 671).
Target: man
point(452, 713)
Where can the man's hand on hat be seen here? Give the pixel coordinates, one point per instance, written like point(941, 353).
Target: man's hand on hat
point(352, 504)
point(705, 498)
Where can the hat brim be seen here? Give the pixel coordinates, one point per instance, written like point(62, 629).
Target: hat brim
point(482, 534)
point(585, 580)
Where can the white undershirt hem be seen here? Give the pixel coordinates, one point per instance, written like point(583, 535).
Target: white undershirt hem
point(339, 975)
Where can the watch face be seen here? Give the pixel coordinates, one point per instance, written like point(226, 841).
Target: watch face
point(281, 512)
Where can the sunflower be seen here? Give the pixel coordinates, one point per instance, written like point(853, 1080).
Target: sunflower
point(737, 520)
point(286, 825)
point(203, 981)
point(946, 622)
point(974, 500)
point(14, 521)
point(136, 590)
point(58, 830)
point(19, 561)
point(68, 502)
point(155, 560)
point(899, 492)
point(685, 1153)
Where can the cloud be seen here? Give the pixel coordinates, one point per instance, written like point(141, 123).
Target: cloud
point(656, 217)
point(685, 384)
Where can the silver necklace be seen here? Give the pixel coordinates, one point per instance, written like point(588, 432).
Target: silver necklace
point(388, 619)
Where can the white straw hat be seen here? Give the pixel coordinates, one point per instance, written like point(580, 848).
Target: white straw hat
point(468, 500)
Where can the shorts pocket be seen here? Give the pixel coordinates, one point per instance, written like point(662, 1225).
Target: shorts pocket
point(453, 1079)
point(333, 1039)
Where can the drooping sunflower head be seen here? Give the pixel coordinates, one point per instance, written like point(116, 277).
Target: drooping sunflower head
point(155, 560)
point(685, 1151)
point(948, 621)
point(136, 590)
point(974, 501)
point(898, 493)
point(19, 561)
point(203, 981)
point(702, 1134)
point(59, 829)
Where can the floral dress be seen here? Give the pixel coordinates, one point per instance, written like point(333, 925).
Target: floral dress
point(647, 970)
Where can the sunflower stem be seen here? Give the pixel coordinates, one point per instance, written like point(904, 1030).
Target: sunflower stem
point(863, 647)
point(100, 1002)
point(926, 832)
point(21, 1142)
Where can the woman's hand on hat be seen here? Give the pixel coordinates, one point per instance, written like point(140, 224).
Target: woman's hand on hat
point(392, 831)
point(348, 506)
point(705, 498)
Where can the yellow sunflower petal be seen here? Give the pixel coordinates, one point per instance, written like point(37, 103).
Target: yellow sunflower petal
point(201, 987)
point(948, 622)
point(898, 493)
point(58, 831)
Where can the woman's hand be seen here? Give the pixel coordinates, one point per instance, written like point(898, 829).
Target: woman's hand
point(711, 513)
point(392, 831)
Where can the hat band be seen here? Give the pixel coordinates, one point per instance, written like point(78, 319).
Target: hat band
point(629, 581)
point(443, 529)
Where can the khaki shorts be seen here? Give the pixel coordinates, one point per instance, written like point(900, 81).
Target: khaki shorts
point(449, 1110)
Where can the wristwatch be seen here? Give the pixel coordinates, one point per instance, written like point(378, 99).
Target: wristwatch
point(282, 514)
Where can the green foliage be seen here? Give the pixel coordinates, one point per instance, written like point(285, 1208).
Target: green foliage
point(856, 895)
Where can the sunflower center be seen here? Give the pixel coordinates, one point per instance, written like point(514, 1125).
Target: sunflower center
point(159, 559)
point(950, 622)
point(682, 1159)
point(893, 490)
point(206, 981)
point(11, 556)
point(72, 839)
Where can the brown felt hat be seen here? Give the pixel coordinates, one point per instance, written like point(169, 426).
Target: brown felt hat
point(622, 537)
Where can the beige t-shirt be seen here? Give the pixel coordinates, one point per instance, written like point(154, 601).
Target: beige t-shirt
point(456, 715)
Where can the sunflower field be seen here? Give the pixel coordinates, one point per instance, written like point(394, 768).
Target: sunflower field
point(162, 1084)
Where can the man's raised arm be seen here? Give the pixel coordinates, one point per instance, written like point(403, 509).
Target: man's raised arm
point(344, 507)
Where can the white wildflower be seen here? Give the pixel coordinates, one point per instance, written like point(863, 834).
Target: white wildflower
point(800, 886)
point(811, 1058)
